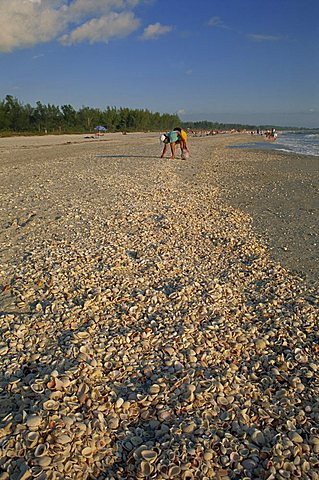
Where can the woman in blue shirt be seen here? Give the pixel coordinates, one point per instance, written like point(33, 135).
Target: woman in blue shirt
point(170, 138)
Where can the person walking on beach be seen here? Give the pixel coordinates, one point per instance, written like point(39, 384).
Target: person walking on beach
point(170, 138)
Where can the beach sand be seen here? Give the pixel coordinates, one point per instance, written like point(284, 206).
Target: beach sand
point(158, 317)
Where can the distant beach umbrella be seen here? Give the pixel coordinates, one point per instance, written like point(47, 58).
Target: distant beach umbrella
point(100, 128)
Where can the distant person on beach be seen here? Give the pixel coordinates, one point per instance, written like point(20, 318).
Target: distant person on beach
point(183, 141)
point(171, 138)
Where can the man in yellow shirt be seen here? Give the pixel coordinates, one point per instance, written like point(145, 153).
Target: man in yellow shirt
point(183, 139)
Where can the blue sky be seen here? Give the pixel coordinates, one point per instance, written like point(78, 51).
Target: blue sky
point(221, 60)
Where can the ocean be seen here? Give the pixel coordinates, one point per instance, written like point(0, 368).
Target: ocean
point(304, 142)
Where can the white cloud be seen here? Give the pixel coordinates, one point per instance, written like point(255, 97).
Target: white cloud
point(263, 38)
point(35, 57)
point(24, 23)
point(155, 30)
point(217, 22)
point(103, 29)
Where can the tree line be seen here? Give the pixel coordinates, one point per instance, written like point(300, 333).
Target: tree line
point(17, 117)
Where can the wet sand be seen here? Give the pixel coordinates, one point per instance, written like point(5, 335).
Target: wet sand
point(281, 193)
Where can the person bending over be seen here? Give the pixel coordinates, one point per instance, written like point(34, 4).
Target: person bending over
point(171, 138)
point(183, 139)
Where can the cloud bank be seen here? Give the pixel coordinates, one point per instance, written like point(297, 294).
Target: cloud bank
point(24, 23)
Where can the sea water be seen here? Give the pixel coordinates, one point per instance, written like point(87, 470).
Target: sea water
point(304, 142)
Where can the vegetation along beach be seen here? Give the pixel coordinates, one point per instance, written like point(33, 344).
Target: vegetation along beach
point(159, 318)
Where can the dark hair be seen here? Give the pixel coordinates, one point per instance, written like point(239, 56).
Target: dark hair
point(177, 129)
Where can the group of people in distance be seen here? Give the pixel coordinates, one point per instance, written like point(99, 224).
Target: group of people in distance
point(173, 138)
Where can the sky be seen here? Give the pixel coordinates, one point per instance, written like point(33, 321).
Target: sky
point(232, 61)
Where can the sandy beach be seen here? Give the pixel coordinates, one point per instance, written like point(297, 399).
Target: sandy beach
point(158, 317)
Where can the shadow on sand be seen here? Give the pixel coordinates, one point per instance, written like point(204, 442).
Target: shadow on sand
point(127, 156)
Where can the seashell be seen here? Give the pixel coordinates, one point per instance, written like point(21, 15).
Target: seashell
point(295, 437)
point(82, 392)
point(258, 437)
point(260, 344)
point(87, 452)
point(50, 405)
point(41, 450)
point(65, 380)
point(149, 455)
point(82, 335)
point(222, 400)
point(36, 471)
point(113, 423)
point(32, 438)
point(208, 455)
point(4, 349)
point(59, 385)
point(138, 450)
point(119, 402)
point(37, 387)
point(187, 475)
point(146, 469)
point(44, 461)
point(191, 388)
point(155, 388)
point(33, 421)
point(63, 439)
point(189, 428)
point(174, 470)
point(169, 350)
